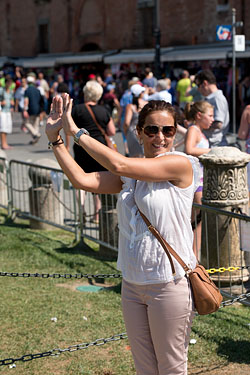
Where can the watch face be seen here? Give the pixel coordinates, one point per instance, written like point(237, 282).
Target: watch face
point(78, 135)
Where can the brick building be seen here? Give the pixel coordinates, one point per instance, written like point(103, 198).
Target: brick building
point(32, 27)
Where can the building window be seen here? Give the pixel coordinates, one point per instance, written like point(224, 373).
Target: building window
point(43, 37)
point(222, 6)
point(41, 2)
point(8, 19)
point(145, 3)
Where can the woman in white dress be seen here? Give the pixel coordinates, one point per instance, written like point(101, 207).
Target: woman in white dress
point(7, 104)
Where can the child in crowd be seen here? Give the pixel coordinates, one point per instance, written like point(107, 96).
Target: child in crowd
point(202, 116)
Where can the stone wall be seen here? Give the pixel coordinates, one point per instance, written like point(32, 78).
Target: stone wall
point(109, 24)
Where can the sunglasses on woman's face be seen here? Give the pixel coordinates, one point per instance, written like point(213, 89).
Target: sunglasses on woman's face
point(152, 130)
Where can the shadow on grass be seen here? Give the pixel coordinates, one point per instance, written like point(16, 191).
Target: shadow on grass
point(9, 222)
point(83, 248)
point(235, 351)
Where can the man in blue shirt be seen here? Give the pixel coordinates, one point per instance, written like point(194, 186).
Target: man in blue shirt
point(32, 109)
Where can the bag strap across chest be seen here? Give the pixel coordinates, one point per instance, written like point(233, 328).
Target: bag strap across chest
point(168, 249)
point(95, 120)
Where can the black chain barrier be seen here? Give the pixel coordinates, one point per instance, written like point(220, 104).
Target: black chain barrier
point(57, 352)
point(240, 298)
point(77, 275)
point(60, 275)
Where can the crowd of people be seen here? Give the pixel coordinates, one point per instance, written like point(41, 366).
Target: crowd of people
point(116, 95)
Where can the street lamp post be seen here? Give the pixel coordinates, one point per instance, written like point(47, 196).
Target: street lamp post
point(234, 25)
point(234, 71)
point(157, 34)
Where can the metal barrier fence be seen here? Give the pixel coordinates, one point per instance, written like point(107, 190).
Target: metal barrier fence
point(105, 233)
point(42, 194)
point(3, 183)
point(45, 196)
point(224, 245)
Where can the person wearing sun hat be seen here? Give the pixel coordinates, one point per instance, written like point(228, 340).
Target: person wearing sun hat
point(131, 119)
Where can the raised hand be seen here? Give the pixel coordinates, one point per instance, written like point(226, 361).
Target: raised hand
point(54, 121)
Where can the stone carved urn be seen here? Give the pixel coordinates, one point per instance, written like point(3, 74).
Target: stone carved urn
point(225, 187)
point(225, 177)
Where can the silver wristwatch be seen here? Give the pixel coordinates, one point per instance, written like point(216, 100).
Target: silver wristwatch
point(78, 135)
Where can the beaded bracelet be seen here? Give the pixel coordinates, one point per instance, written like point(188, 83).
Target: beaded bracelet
point(59, 141)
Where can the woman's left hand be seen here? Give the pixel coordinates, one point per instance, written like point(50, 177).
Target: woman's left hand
point(68, 123)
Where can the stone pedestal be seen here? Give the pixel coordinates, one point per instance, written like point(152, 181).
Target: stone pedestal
point(45, 204)
point(44, 199)
point(224, 187)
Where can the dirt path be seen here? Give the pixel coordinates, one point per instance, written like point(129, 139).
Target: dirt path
point(227, 369)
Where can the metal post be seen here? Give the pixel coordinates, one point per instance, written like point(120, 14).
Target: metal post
point(157, 34)
point(234, 70)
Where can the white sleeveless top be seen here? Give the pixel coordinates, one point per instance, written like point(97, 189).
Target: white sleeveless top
point(141, 258)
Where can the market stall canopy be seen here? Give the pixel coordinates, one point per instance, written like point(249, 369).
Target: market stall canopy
point(240, 55)
point(196, 54)
point(214, 51)
point(218, 51)
point(50, 60)
point(36, 62)
point(80, 58)
point(131, 56)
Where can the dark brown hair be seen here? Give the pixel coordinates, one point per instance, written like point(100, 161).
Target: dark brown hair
point(205, 75)
point(155, 106)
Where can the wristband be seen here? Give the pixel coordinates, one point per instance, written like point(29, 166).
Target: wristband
point(56, 143)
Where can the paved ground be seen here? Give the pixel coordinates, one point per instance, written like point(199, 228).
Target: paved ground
point(23, 151)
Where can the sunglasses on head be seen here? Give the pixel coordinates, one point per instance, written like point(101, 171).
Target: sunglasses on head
point(152, 130)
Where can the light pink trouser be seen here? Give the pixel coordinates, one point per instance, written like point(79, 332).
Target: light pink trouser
point(158, 320)
point(32, 124)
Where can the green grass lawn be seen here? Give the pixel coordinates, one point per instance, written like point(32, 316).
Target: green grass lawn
point(28, 304)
